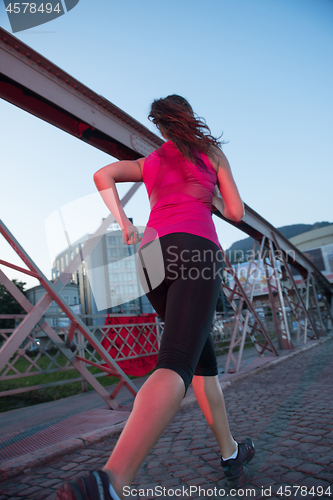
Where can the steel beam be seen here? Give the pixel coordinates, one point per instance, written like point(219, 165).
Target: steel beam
point(21, 299)
point(241, 321)
point(33, 83)
point(53, 293)
point(299, 304)
point(256, 226)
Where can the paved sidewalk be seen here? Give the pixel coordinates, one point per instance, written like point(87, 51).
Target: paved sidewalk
point(286, 408)
point(34, 435)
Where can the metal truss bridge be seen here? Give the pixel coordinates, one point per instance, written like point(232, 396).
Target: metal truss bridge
point(36, 85)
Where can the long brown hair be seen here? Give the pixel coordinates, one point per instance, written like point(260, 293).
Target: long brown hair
point(174, 117)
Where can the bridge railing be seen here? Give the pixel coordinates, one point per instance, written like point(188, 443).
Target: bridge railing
point(38, 365)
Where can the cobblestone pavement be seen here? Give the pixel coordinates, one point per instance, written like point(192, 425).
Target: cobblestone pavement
point(287, 409)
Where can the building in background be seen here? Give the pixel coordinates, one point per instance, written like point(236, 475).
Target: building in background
point(317, 245)
point(108, 278)
point(53, 315)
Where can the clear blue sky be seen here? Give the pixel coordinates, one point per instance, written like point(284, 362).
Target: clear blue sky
point(259, 70)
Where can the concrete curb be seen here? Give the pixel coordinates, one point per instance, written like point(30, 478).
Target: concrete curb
point(240, 376)
point(275, 361)
point(23, 464)
point(15, 466)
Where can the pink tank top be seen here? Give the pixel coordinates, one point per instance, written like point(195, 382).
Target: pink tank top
point(180, 195)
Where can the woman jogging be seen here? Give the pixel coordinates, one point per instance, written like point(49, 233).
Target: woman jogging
point(180, 178)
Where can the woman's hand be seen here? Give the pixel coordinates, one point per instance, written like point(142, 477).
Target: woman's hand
point(131, 235)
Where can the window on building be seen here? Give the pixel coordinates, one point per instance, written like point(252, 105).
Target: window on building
point(62, 264)
point(72, 255)
point(66, 259)
point(58, 266)
point(54, 322)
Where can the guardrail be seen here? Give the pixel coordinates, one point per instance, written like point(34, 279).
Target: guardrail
point(38, 356)
point(38, 365)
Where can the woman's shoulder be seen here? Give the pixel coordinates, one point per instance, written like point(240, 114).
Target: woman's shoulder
point(218, 158)
point(213, 156)
point(149, 160)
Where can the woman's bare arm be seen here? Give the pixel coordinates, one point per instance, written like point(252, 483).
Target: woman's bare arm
point(106, 179)
point(230, 205)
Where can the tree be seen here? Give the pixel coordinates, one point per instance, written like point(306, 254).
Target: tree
point(9, 305)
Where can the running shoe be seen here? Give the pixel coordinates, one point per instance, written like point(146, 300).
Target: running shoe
point(235, 468)
point(92, 486)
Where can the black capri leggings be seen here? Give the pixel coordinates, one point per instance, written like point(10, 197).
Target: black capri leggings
point(185, 299)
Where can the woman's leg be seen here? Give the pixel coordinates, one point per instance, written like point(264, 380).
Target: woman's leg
point(209, 395)
point(186, 303)
point(207, 390)
point(154, 407)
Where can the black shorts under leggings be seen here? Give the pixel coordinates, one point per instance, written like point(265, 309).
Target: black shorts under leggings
point(185, 298)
